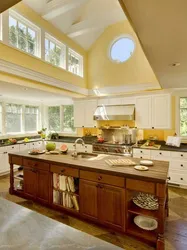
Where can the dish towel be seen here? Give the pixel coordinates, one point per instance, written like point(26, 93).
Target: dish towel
point(75, 202)
point(71, 184)
point(62, 183)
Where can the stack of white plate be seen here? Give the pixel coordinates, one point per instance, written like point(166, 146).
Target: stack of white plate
point(146, 223)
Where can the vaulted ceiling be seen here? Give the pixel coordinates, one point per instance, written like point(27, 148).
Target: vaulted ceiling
point(82, 20)
point(162, 31)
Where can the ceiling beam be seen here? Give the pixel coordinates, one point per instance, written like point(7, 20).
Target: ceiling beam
point(95, 23)
point(59, 7)
point(5, 5)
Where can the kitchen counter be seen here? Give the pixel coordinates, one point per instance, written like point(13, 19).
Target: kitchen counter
point(97, 184)
point(182, 148)
point(87, 139)
point(24, 229)
point(158, 172)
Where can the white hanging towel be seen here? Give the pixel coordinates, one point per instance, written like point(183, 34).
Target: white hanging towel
point(75, 202)
point(64, 199)
point(69, 201)
point(55, 180)
point(71, 184)
point(55, 196)
point(63, 183)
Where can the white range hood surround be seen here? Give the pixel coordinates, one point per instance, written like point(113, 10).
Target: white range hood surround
point(115, 112)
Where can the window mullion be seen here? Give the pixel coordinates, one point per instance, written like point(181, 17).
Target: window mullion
point(62, 118)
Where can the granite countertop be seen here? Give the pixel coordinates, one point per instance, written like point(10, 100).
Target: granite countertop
point(65, 139)
point(157, 173)
point(24, 229)
point(72, 139)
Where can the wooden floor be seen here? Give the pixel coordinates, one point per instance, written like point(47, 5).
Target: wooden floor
point(176, 226)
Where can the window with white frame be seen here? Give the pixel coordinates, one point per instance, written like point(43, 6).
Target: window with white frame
point(68, 119)
point(75, 62)
point(13, 118)
point(31, 118)
point(183, 116)
point(55, 52)
point(1, 120)
point(23, 34)
point(54, 118)
point(61, 119)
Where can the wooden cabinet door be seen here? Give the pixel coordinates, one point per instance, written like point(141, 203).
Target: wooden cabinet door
point(43, 185)
point(89, 199)
point(30, 182)
point(143, 112)
point(161, 111)
point(112, 206)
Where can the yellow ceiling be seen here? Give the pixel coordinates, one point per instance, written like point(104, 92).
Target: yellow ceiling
point(161, 28)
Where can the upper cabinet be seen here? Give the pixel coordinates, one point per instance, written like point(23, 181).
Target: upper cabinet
point(84, 112)
point(161, 111)
point(153, 112)
point(143, 112)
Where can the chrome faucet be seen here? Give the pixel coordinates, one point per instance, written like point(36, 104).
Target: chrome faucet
point(74, 154)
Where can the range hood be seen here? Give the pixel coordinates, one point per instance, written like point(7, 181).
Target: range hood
point(114, 112)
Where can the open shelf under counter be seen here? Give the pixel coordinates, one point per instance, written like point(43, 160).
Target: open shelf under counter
point(65, 208)
point(141, 233)
point(134, 209)
point(68, 192)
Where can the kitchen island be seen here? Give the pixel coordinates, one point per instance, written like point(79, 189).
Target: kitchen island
point(103, 193)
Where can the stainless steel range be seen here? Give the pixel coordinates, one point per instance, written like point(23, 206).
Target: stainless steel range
point(113, 149)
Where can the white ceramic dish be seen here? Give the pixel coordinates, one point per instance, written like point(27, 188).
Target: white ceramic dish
point(146, 163)
point(146, 223)
point(141, 168)
point(36, 153)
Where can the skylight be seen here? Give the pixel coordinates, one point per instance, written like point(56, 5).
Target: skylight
point(122, 49)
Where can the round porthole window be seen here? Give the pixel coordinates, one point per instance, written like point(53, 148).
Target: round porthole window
point(122, 49)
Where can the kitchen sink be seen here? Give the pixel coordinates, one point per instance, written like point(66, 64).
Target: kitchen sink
point(86, 155)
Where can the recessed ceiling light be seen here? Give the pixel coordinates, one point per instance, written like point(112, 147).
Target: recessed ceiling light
point(175, 64)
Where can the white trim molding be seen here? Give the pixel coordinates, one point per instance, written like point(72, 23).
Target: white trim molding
point(20, 71)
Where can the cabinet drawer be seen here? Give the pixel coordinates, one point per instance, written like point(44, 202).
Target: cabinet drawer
point(103, 178)
point(180, 155)
point(139, 151)
point(24, 146)
point(65, 170)
point(3, 149)
point(139, 156)
point(13, 148)
point(180, 165)
point(178, 177)
point(142, 186)
point(160, 153)
point(35, 164)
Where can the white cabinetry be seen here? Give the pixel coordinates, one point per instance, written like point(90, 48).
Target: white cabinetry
point(79, 107)
point(143, 112)
point(153, 111)
point(4, 164)
point(177, 163)
point(84, 112)
point(161, 111)
point(24, 146)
